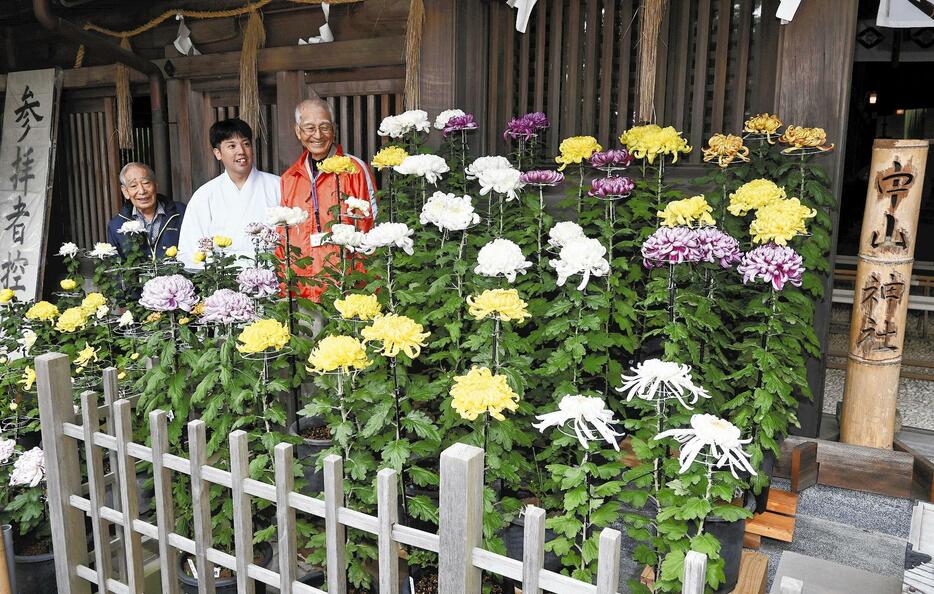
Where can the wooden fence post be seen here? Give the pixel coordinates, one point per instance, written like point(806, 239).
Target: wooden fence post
point(285, 516)
point(95, 464)
point(533, 549)
point(695, 573)
point(126, 483)
point(608, 561)
point(111, 395)
point(460, 525)
point(63, 478)
point(387, 501)
point(165, 510)
point(243, 510)
point(201, 506)
point(335, 533)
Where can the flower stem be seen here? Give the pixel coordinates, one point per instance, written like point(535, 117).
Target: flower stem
point(398, 422)
point(580, 191)
point(658, 190)
point(541, 221)
point(700, 527)
point(290, 297)
point(389, 280)
point(496, 323)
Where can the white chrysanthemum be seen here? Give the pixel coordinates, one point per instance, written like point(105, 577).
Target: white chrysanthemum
point(662, 379)
point(103, 250)
point(126, 319)
point(28, 469)
point(501, 257)
point(101, 311)
point(563, 232)
point(583, 256)
point(279, 216)
point(720, 435)
point(347, 236)
point(448, 211)
point(399, 125)
point(501, 181)
point(442, 120)
point(27, 340)
point(389, 234)
point(359, 207)
point(482, 164)
point(68, 249)
point(428, 166)
point(132, 227)
point(7, 447)
point(586, 414)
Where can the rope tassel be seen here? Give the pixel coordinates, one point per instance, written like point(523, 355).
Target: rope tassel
point(254, 37)
point(124, 102)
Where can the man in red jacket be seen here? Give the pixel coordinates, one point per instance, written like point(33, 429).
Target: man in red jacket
point(303, 185)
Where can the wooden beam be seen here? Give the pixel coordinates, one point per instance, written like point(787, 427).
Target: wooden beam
point(290, 91)
point(804, 466)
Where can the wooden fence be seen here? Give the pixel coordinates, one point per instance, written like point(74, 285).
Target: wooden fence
point(460, 558)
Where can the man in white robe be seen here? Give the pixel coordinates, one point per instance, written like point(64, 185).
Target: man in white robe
point(232, 200)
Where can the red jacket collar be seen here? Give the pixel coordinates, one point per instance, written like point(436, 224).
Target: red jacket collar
point(298, 167)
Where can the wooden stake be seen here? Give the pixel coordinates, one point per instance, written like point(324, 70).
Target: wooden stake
point(883, 278)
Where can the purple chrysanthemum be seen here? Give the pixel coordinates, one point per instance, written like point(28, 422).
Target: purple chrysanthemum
point(613, 186)
point(670, 245)
point(537, 120)
point(228, 307)
point(459, 123)
point(258, 282)
point(168, 293)
point(717, 246)
point(615, 158)
point(526, 127)
point(775, 264)
point(542, 177)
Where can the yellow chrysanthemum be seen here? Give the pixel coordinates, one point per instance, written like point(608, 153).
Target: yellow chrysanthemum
point(754, 195)
point(222, 241)
point(724, 149)
point(359, 307)
point(389, 157)
point(649, 141)
point(398, 334)
point(800, 138)
point(575, 149)
point(72, 319)
point(7, 295)
point(67, 284)
point(199, 257)
point(92, 301)
point(504, 303)
point(27, 380)
point(337, 164)
point(780, 221)
point(764, 124)
point(153, 317)
point(481, 392)
point(43, 310)
point(184, 321)
point(86, 356)
point(171, 252)
point(134, 356)
point(338, 352)
point(689, 212)
point(262, 335)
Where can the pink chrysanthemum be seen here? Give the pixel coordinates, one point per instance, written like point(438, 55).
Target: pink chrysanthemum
point(717, 246)
point(775, 264)
point(168, 293)
point(670, 245)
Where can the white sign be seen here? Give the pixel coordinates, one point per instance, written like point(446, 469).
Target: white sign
point(27, 152)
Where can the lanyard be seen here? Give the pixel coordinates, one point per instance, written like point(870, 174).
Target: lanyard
point(314, 193)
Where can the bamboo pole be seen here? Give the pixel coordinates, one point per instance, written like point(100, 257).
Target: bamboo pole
point(880, 303)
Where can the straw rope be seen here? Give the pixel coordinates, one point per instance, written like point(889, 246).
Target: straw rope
point(254, 37)
point(124, 102)
point(413, 51)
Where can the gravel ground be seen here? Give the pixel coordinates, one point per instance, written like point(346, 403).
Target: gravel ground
point(914, 396)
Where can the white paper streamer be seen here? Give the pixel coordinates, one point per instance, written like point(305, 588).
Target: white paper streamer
point(183, 42)
point(324, 31)
point(523, 11)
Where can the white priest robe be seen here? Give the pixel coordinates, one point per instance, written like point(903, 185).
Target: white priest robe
point(220, 208)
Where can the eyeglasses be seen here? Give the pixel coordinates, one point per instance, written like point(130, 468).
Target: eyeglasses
point(323, 129)
point(136, 184)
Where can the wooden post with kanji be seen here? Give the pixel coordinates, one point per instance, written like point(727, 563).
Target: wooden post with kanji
point(883, 279)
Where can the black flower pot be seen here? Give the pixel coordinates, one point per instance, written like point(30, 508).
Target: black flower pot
point(308, 451)
point(35, 574)
point(514, 538)
point(223, 585)
point(768, 465)
point(730, 535)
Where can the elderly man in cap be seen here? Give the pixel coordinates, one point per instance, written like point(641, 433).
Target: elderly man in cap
point(160, 217)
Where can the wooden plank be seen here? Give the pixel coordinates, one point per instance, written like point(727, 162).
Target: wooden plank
point(493, 81)
point(63, 479)
point(358, 148)
point(751, 541)
point(724, 15)
point(541, 34)
point(804, 467)
point(111, 395)
point(738, 102)
point(753, 574)
point(359, 87)
point(782, 502)
point(624, 59)
point(608, 561)
point(921, 534)
point(588, 124)
point(555, 40)
point(461, 519)
point(105, 203)
point(201, 506)
point(695, 573)
point(571, 69)
point(344, 124)
point(376, 51)
point(700, 77)
point(285, 516)
point(129, 500)
point(680, 49)
point(508, 86)
point(67, 140)
point(242, 509)
point(533, 551)
point(361, 74)
point(772, 525)
point(923, 475)
point(95, 466)
point(113, 151)
point(525, 68)
point(335, 534)
point(765, 59)
point(290, 91)
point(855, 467)
point(371, 127)
point(387, 499)
point(606, 71)
point(165, 510)
point(661, 66)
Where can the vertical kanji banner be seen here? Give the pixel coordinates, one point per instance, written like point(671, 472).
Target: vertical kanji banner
point(27, 157)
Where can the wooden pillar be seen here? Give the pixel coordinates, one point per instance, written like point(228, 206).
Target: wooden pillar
point(290, 91)
point(883, 279)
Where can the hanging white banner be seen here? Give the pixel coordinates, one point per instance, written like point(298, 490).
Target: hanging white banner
point(27, 155)
point(905, 14)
